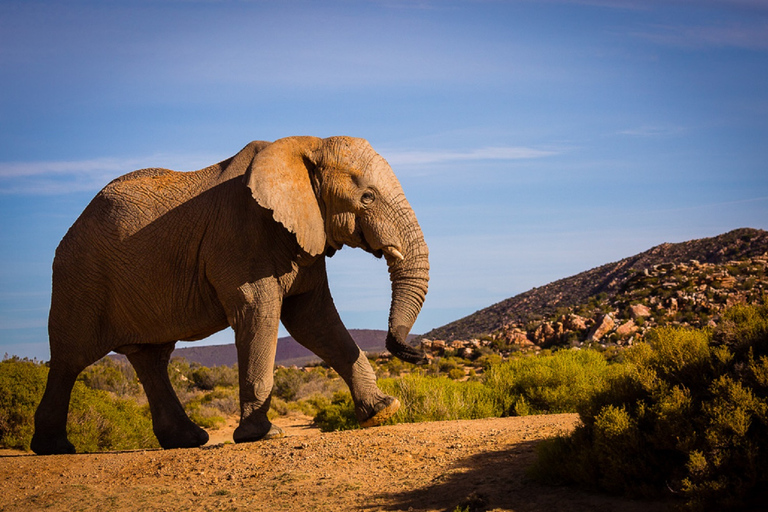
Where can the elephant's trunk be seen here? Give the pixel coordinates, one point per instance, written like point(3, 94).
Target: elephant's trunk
point(410, 277)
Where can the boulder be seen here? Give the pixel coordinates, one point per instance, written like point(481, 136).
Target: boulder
point(518, 337)
point(543, 333)
point(639, 310)
point(626, 329)
point(602, 327)
point(575, 323)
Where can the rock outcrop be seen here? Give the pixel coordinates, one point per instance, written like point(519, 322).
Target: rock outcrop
point(609, 280)
point(690, 294)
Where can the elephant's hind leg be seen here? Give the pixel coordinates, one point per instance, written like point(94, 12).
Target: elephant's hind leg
point(50, 435)
point(170, 423)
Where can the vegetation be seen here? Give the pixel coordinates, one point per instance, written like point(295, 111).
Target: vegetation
point(689, 415)
point(551, 383)
point(21, 386)
point(98, 420)
point(684, 413)
point(560, 382)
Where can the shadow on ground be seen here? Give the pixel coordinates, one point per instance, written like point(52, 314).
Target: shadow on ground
point(497, 480)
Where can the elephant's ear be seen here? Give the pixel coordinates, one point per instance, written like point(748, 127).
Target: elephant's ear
point(280, 179)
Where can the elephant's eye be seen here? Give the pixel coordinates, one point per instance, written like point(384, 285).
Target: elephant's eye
point(368, 197)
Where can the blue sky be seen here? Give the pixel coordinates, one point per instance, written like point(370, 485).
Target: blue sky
point(535, 140)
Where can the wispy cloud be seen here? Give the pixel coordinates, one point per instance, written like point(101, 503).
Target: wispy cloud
point(489, 153)
point(652, 131)
point(63, 177)
point(741, 23)
point(754, 5)
point(747, 35)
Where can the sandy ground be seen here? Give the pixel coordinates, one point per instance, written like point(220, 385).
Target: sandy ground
point(437, 466)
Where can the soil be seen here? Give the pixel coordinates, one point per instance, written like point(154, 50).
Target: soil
point(475, 465)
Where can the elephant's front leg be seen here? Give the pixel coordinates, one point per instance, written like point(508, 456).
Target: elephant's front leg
point(313, 321)
point(256, 327)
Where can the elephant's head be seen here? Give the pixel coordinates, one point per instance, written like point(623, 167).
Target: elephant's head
point(339, 191)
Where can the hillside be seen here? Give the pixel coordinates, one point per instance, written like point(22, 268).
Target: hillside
point(289, 352)
point(608, 280)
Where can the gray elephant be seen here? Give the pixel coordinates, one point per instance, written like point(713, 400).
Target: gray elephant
point(160, 256)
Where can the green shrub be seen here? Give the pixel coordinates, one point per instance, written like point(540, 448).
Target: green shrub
point(337, 414)
point(21, 387)
point(113, 375)
point(206, 379)
point(423, 398)
point(297, 384)
point(688, 414)
point(97, 420)
point(204, 416)
point(202, 378)
point(211, 409)
point(486, 361)
point(393, 367)
point(426, 398)
point(560, 382)
point(224, 399)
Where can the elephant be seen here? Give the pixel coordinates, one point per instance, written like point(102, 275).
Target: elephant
point(160, 256)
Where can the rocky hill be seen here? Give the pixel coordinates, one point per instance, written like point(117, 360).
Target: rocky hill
point(605, 282)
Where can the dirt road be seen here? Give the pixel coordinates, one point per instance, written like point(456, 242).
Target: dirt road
point(477, 465)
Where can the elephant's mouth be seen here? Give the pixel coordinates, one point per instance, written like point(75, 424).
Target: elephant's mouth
point(391, 251)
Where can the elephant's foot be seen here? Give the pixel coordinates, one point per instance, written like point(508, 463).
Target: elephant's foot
point(51, 445)
point(248, 432)
point(382, 411)
point(190, 436)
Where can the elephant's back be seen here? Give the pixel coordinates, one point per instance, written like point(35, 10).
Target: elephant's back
point(118, 225)
point(126, 256)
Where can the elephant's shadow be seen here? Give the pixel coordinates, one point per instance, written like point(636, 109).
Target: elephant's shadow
point(494, 480)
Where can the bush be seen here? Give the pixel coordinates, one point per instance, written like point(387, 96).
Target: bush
point(211, 409)
point(689, 414)
point(423, 398)
point(294, 384)
point(22, 383)
point(560, 382)
point(337, 414)
point(206, 379)
point(426, 398)
point(99, 421)
point(486, 361)
point(109, 374)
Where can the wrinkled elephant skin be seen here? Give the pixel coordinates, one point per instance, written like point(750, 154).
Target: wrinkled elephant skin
point(160, 256)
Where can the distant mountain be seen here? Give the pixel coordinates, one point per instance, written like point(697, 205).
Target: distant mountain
point(608, 279)
point(289, 352)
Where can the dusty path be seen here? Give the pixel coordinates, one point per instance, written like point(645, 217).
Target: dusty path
point(421, 467)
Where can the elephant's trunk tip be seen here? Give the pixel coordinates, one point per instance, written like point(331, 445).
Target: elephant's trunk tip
point(397, 345)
